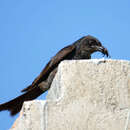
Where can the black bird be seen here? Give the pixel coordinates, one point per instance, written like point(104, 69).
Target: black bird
point(81, 49)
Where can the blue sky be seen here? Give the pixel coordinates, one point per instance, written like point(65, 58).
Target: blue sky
point(32, 31)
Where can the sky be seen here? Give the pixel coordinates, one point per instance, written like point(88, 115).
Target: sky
point(32, 31)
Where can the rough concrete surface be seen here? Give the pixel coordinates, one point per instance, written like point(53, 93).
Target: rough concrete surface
point(85, 95)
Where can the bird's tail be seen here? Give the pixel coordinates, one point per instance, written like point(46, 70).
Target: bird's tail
point(15, 105)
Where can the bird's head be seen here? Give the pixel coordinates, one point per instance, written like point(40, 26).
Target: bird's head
point(89, 45)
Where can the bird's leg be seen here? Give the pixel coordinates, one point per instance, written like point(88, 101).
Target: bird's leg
point(45, 85)
point(51, 76)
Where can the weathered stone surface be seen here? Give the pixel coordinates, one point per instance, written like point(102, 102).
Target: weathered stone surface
point(85, 95)
point(31, 116)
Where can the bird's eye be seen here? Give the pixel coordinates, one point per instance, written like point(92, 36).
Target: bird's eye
point(92, 42)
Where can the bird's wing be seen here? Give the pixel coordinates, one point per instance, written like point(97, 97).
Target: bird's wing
point(53, 63)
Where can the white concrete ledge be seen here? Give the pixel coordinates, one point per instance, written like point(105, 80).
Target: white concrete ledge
point(85, 95)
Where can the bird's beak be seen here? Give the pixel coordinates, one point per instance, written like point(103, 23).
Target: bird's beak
point(102, 49)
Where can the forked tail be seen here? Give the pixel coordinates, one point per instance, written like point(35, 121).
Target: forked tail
point(15, 105)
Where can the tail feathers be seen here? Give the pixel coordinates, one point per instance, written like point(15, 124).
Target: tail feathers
point(15, 105)
point(12, 106)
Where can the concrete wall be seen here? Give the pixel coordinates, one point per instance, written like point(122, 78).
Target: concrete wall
point(85, 95)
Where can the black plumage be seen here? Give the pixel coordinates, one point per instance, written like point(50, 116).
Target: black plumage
point(81, 49)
